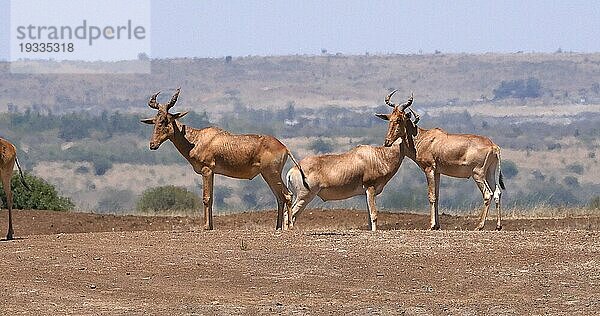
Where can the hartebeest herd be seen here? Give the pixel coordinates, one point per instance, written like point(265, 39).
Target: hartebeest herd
point(363, 170)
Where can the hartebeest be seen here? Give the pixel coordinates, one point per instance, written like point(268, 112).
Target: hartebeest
point(8, 157)
point(437, 152)
point(364, 170)
point(213, 151)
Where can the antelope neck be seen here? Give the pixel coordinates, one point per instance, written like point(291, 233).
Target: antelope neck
point(183, 145)
point(410, 146)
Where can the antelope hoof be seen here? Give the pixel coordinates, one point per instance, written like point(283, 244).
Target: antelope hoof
point(498, 227)
point(9, 237)
point(208, 227)
point(479, 228)
point(435, 227)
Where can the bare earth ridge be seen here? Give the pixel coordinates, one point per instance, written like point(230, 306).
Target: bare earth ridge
point(86, 264)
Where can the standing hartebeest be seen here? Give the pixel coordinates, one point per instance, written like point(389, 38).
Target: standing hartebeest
point(364, 170)
point(213, 151)
point(456, 155)
point(8, 157)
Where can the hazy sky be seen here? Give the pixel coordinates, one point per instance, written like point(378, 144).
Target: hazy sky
point(242, 27)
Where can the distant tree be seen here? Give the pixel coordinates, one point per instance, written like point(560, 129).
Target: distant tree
point(73, 127)
point(101, 165)
point(530, 88)
point(321, 146)
point(43, 195)
point(571, 182)
point(228, 59)
point(533, 89)
point(509, 169)
point(290, 110)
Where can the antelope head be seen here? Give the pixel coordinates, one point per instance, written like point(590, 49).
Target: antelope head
point(163, 121)
point(398, 120)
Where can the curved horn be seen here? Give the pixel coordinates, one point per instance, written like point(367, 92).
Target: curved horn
point(152, 103)
point(174, 99)
point(408, 103)
point(389, 97)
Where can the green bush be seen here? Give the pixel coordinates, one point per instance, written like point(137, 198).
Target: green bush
point(43, 195)
point(168, 198)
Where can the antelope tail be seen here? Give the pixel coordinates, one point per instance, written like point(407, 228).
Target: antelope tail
point(21, 175)
point(500, 177)
point(299, 168)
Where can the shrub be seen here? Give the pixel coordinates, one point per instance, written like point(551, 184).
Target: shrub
point(509, 169)
point(168, 198)
point(101, 165)
point(43, 195)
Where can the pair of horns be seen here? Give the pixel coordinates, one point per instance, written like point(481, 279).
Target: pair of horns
point(154, 104)
point(403, 106)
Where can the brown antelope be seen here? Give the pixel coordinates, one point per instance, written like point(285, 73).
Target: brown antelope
point(364, 170)
point(8, 157)
point(213, 151)
point(437, 152)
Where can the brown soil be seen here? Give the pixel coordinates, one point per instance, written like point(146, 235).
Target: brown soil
point(86, 264)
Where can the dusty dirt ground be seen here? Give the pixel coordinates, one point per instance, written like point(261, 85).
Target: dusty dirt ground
point(86, 264)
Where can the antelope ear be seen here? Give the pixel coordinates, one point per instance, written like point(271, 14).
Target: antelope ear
point(179, 115)
point(148, 121)
point(385, 117)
